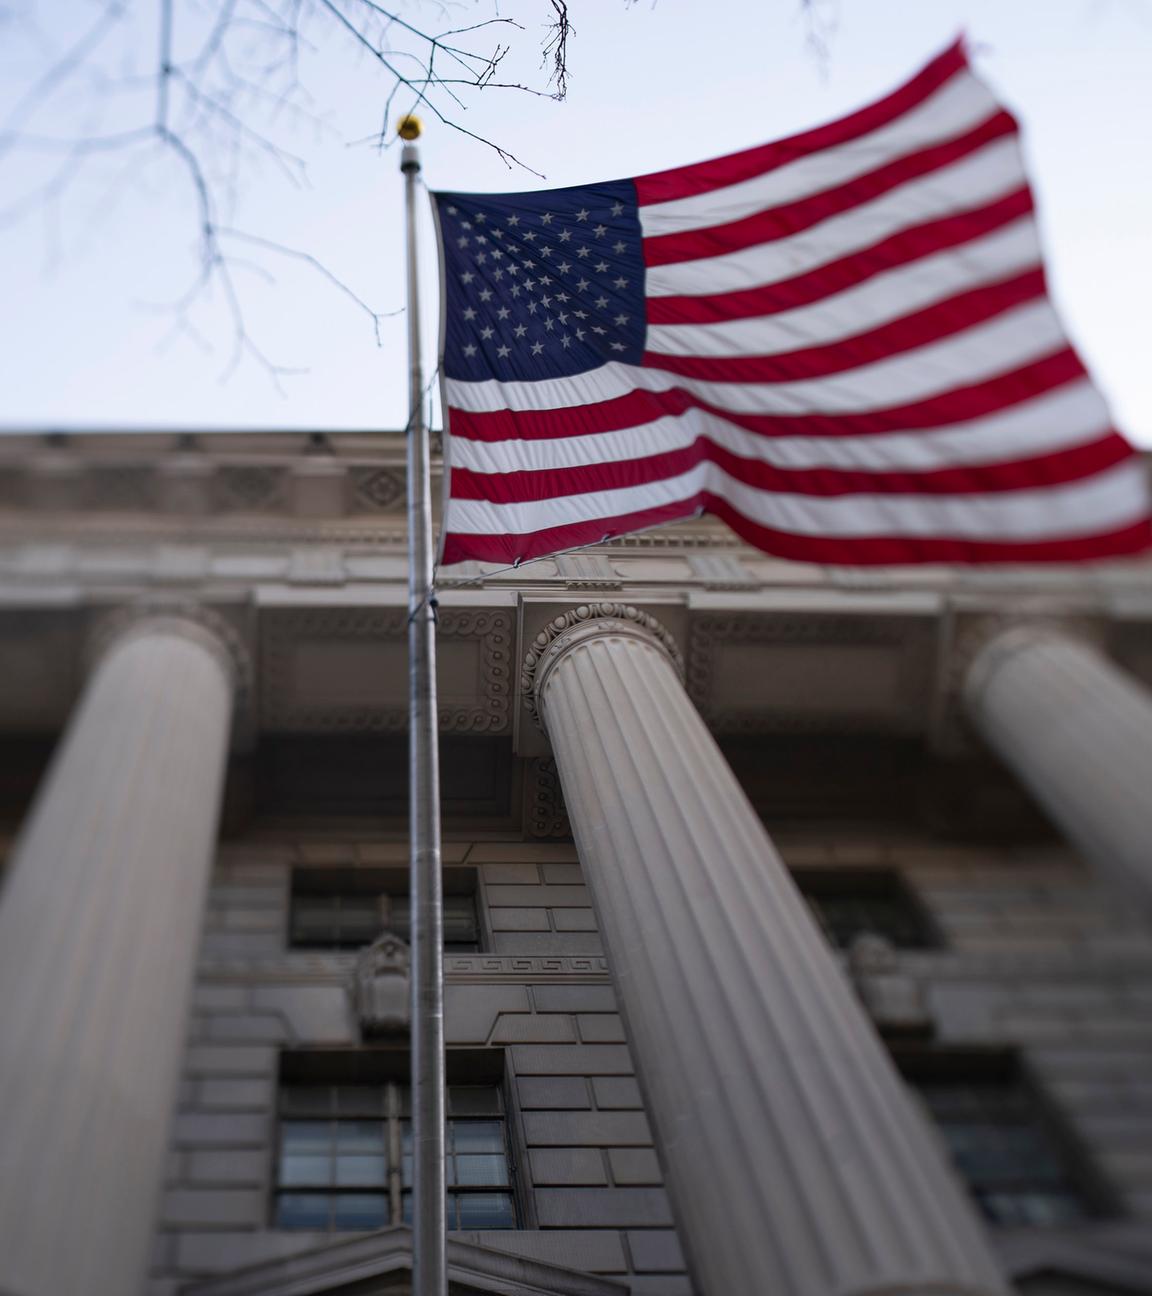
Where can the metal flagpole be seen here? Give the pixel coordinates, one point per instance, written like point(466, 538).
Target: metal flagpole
point(429, 1261)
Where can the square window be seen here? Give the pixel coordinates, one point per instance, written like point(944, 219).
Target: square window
point(1019, 1166)
point(333, 1172)
point(851, 902)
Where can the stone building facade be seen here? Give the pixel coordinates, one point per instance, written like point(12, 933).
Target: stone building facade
point(652, 1061)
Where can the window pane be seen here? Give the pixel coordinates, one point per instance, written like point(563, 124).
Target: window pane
point(306, 1100)
point(406, 1169)
point(480, 1170)
point(305, 1137)
point(485, 1210)
point(305, 1170)
point(360, 1136)
point(302, 1211)
point(361, 1171)
point(360, 1100)
point(477, 1136)
point(359, 1211)
point(472, 1100)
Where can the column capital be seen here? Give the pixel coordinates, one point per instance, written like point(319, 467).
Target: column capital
point(174, 616)
point(578, 625)
point(980, 637)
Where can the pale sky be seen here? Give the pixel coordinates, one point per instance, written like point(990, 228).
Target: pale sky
point(653, 85)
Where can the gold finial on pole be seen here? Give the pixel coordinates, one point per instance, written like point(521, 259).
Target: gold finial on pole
point(409, 127)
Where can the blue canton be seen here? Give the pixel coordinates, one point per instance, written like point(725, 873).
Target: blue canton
point(542, 285)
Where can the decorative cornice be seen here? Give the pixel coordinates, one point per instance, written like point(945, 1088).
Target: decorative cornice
point(155, 614)
point(298, 967)
point(545, 814)
point(589, 620)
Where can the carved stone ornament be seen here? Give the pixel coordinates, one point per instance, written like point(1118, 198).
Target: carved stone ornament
point(379, 488)
point(588, 621)
point(547, 815)
point(895, 1000)
point(380, 987)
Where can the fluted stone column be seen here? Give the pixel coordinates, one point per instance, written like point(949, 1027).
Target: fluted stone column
point(1078, 731)
point(99, 921)
point(794, 1158)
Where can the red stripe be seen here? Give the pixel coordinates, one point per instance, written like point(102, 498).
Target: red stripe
point(932, 324)
point(872, 551)
point(961, 404)
point(1035, 472)
point(683, 182)
point(898, 249)
point(536, 544)
point(790, 218)
point(856, 551)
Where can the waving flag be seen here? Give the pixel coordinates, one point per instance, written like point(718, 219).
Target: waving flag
point(840, 343)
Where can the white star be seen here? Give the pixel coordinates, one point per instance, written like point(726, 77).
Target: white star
point(537, 347)
point(563, 267)
point(580, 314)
point(470, 313)
point(599, 267)
point(598, 330)
point(563, 297)
point(515, 290)
point(545, 279)
point(529, 265)
point(617, 209)
point(470, 349)
point(532, 307)
point(481, 257)
point(485, 294)
point(580, 335)
point(565, 235)
point(619, 247)
point(620, 283)
point(617, 346)
point(497, 275)
point(582, 215)
point(621, 320)
point(467, 277)
point(513, 269)
point(600, 231)
point(546, 219)
point(504, 312)
point(545, 302)
point(465, 224)
point(450, 210)
point(480, 218)
point(581, 285)
point(486, 333)
point(548, 324)
point(480, 238)
point(520, 330)
point(530, 236)
point(496, 254)
point(545, 251)
point(503, 351)
point(513, 221)
point(565, 342)
point(562, 316)
point(601, 302)
point(462, 241)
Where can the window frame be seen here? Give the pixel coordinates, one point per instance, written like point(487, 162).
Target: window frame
point(881, 882)
point(340, 881)
point(387, 1069)
point(977, 1065)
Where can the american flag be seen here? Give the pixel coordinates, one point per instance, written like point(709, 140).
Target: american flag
point(840, 343)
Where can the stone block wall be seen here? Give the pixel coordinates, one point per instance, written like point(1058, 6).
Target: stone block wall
point(1035, 956)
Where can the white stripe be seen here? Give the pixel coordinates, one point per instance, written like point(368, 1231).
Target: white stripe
point(1006, 342)
point(1067, 417)
point(865, 306)
point(966, 185)
point(959, 105)
point(1108, 501)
